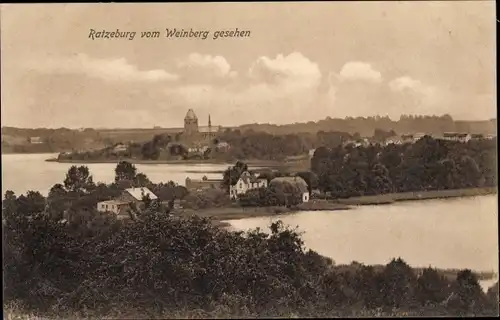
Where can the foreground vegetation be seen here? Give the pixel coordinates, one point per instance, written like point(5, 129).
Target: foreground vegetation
point(162, 266)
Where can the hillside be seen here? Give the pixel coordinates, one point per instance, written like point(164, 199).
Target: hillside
point(62, 139)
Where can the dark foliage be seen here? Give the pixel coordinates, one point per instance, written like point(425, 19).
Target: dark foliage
point(428, 164)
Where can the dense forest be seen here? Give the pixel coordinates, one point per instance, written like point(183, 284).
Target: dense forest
point(173, 267)
point(428, 164)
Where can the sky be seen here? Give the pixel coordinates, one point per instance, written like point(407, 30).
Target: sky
point(302, 62)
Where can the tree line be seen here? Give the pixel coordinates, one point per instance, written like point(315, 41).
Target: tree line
point(428, 164)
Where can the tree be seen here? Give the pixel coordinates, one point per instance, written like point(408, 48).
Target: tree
point(469, 296)
point(150, 151)
point(30, 204)
point(9, 205)
point(310, 178)
point(79, 179)
point(232, 174)
point(432, 288)
point(141, 180)
point(397, 283)
point(58, 201)
point(125, 171)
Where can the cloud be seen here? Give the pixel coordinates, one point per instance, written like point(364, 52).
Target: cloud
point(199, 67)
point(292, 71)
point(105, 69)
point(280, 90)
point(407, 83)
point(356, 70)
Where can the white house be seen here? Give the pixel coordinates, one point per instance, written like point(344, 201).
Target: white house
point(246, 182)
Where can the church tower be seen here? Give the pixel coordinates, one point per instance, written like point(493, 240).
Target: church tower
point(190, 123)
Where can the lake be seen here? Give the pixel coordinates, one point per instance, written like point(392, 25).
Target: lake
point(24, 172)
point(451, 233)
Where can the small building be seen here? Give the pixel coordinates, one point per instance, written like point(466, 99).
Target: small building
point(490, 136)
point(35, 140)
point(296, 181)
point(464, 137)
point(222, 146)
point(407, 138)
point(120, 148)
point(202, 184)
point(120, 208)
point(245, 183)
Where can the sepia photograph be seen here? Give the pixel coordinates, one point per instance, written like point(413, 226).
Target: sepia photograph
point(249, 160)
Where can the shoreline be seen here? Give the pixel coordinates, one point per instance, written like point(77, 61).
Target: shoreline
point(221, 216)
point(392, 198)
point(267, 163)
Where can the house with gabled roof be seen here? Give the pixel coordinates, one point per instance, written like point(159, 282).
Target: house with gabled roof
point(125, 203)
point(245, 183)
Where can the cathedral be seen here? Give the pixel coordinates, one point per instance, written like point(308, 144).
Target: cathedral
point(198, 134)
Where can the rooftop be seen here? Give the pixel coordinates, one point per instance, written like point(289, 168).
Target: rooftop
point(137, 193)
point(298, 181)
point(114, 202)
point(209, 129)
point(248, 177)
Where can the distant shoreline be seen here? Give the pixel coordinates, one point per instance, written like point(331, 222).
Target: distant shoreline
point(266, 163)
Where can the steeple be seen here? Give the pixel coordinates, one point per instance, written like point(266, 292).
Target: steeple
point(209, 121)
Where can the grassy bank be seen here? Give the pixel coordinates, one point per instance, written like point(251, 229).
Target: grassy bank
point(219, 215)
point(235, 213)
point(420, 195)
